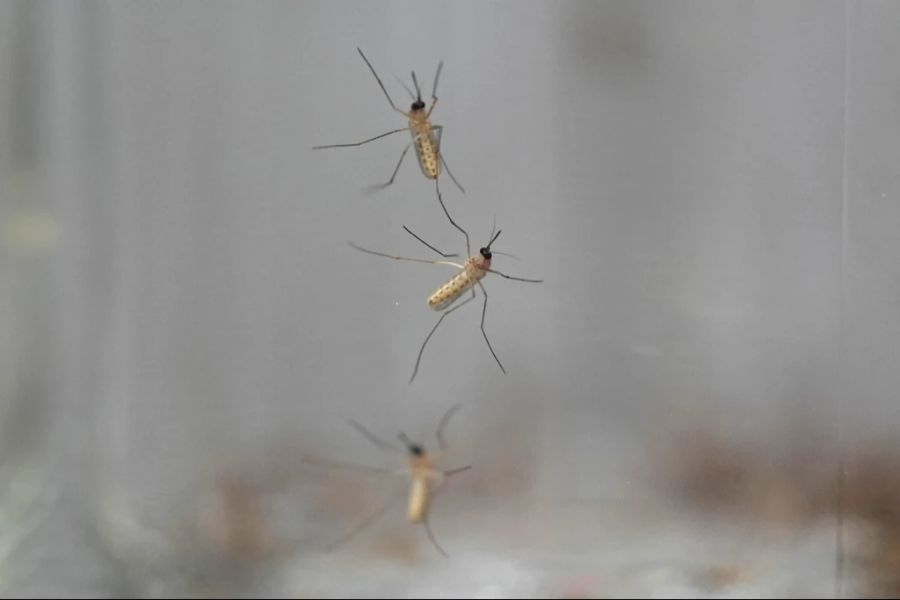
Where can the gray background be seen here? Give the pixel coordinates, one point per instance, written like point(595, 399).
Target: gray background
point(709, 191)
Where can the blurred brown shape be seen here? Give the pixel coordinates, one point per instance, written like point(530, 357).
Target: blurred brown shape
point(785, 482)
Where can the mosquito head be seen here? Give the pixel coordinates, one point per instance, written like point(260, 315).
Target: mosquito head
point(418, 104)
point(416, 450)
point(413, 448)
point(486, 251)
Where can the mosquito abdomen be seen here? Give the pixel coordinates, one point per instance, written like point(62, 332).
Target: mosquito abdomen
point(418, 499)
point(455, 287)
point(426, 148)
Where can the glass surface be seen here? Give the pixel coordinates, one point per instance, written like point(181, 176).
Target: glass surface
point(699, 396)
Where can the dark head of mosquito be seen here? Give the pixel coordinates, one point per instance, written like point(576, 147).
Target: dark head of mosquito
point(418, 104)
point(486, 251)
point(413, 448)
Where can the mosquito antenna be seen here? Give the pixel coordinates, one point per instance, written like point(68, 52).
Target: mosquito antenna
point(512, 256)
point(405, 87)
point(442, 443)
point(493, 228)
point(377, 441)
point(431, 536)
point(437, 76)
point(378, 79)
point(494, 237)
point(416, 83)
point(409, 231)
point(411, 446)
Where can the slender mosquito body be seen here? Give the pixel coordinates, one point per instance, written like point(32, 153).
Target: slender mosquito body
point(426, 137)
point(425, 477)
point(469, 275)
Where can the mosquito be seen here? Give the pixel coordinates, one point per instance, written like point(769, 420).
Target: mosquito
point(426, 137)
point(469, 275)
point(425, 477)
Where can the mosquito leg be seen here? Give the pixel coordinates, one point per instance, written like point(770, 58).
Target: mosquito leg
point(437, 76)
point(440, 134)
point(452, 178)
point(504, 275)
point(377, 137)
point(431, 537)
point(420, 260)
point(369, 521)
point(399, 162)
point(339, 464)
point(381, 186)
point(452, 472)
point(377, 441)
point(442, 443)
point(433, 329)
point(483, 332)
point(409, 231)
point(378, 79)
point(437, 188)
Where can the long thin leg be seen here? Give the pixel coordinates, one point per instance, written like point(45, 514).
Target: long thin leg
point(440, 135)
point(378, 79)
point(363, 525)
point(433, 329)
point(452, 472)
point(339, 464)
point(437, 76)
point(409, 231)
point(377, 441)
point(483, 332)
point(442, 443)
point(381, 186)
point(504, 275)
point(431, 537)
point(450, 173)
point(377, 137)
point(512, 256)
point(437, 187)
point(420, 260)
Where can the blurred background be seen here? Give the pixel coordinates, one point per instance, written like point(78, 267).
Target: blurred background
point(700, 398)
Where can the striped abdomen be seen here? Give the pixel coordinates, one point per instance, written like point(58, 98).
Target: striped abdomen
point(456, 286)
point(426, 149)
point(418, 499)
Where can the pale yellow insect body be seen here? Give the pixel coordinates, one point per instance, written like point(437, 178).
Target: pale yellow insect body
point(473, 271)
point(426, 143)
point(423, 477)
point(418, 499)
point(425, 136)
